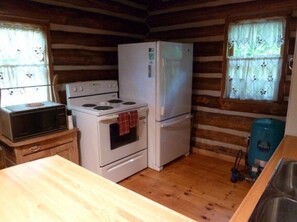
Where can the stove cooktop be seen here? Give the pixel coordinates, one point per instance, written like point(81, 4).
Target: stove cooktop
point(96, 107)
point(98, 98)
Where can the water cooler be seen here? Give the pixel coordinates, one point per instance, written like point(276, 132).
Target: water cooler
point(266, 135)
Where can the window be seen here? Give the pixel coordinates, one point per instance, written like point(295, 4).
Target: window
point(254, 59)
point(24, 66)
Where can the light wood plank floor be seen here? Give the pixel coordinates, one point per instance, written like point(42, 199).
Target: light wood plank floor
point(197, 186)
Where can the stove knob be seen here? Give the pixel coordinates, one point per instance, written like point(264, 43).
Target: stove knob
point(114, 85)
point(109, 85)
point(81, 88)
point(74, 89)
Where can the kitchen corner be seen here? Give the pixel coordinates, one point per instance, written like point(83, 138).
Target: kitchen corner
point(55, 189)
point(286, 149)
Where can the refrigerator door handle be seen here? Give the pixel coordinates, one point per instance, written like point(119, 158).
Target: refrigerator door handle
point(164, 88)
point(176, 121)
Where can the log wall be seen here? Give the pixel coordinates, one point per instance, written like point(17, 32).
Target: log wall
point(84, 34)
point(220, 127)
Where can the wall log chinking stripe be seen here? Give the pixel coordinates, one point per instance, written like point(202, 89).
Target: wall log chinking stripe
point(85, 35)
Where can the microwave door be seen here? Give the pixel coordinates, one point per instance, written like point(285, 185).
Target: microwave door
point(36, 122)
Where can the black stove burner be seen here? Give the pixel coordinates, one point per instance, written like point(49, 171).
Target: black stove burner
point(103, 107)
point(129, 103)
point(115, 101)
point(89, 105)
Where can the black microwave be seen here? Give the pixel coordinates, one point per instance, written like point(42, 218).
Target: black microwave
point(23, 121)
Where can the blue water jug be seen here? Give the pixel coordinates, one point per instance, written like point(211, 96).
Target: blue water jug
point(265, 137)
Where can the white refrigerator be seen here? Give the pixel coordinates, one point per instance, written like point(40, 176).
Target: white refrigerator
point(160, 74)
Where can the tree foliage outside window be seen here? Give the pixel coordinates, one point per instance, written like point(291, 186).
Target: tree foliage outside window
point(24, 66)
point(254, 59)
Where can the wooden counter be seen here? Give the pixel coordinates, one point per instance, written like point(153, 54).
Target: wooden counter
point(55, 189)
point(286, 149)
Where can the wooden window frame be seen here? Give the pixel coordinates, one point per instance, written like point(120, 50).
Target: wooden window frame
point(44, 24)
point(226, 101)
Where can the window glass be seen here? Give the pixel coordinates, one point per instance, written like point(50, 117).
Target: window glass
point(254, 59)
point(24, 67)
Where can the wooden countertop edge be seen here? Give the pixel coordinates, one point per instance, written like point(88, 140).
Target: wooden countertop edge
point(39, 138)
point(286, 149)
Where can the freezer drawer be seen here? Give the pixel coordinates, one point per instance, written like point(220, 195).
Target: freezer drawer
point(173, 139)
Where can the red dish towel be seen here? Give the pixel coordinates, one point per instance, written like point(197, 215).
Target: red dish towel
point(133, 118)
point(124, 123)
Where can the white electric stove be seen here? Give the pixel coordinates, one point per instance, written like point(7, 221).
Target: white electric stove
point(96, 108)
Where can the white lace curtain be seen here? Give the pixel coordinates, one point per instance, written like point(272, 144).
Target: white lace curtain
point(24, 67)
point(254, 59)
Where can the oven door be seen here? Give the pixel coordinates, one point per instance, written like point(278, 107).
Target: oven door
point(112, 146)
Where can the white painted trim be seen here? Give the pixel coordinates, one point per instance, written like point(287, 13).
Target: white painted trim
point(188, 25)
point(68, 28)
point(207, 75)
point(208, 59)
point(94, 10)
point(291, 128)
point(207, 93)
point(236, 113)
point(66, 68)
point(198, 5)
point(218, 143)
point(222, 130)
point(91, 48)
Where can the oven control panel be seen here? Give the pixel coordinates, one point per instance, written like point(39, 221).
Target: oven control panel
point(87, 88)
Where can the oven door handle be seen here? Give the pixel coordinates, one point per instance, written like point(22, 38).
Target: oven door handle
point(108, 118)
point(116, 116)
